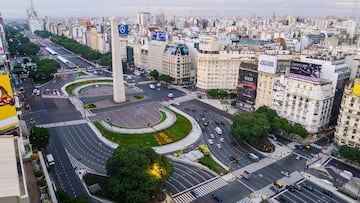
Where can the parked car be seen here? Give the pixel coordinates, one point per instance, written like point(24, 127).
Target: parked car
point(307, 186)
point(287, 174)
point(217, 197)
point(328, 193)
point(274, 188)
point(291, 188)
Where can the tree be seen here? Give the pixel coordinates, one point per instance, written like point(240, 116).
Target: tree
point(213, 93)
point(154, 74)
point(26, 60)
point(165, 78)
point(43, 34)
point(250, 127)
point(233, 103)
point(135, 178)
point(106, 60)
point(63, 197)
point(222, 93)
point(350, 153)
point(39, 137)
point(269, 113)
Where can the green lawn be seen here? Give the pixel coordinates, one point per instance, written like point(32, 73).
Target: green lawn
point(210, 163)
point(70, 88)
point(79, 74)
point(180, 129)
point(138, 97)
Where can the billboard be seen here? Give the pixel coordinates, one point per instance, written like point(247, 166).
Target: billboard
point(8, 117)
point(305, 71)
point(158, 35)
point(267, 64)
point(88, 23)
point(356, 89)
point(123, 30)
point(246, 91)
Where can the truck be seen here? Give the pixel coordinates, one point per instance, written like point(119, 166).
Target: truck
point(204, 149)
point(246, 175)
point(50, 159)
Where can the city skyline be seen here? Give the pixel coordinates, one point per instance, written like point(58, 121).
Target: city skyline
point(263, 8)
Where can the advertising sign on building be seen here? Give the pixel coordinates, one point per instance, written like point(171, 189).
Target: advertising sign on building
point(205, 43)
point(123, 29)
point(88, 23)
point(8, 117)
point(267, 64)
point(356, 89)
point(159, 36)
point(246, 91)
point(305, 71)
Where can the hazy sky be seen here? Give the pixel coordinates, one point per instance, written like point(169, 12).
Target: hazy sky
point(243, 8)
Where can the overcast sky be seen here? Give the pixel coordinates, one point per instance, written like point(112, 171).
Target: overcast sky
point(242, 8)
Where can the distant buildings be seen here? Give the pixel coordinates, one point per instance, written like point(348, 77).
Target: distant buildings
point(33, 20)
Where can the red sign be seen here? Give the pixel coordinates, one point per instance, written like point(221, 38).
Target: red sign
point(87, 23)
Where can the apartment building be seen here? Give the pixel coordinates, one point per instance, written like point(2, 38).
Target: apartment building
point(347, 131)
point(269, 67)
point(155, 55)
point(303, 102)
point(218, 70)
point(334, 69)
point(13, 179)
point(177, 63)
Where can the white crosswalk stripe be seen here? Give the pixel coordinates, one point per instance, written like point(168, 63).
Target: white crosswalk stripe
point(246, 200)
point(65, 123)
point(203, 190)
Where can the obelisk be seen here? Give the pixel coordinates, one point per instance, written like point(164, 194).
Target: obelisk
point(118, 78)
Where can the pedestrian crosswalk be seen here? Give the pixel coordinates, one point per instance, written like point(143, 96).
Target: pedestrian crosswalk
point(65, 123)
point(246, 200)
point(203, 190)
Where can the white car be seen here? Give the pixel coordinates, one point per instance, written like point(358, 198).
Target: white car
point(298, 157)
point(158, 84)
point(211, 141)
point(170, 95)
point(287, 174)
point(218, 146)
point(222, 139)
point(212, 136)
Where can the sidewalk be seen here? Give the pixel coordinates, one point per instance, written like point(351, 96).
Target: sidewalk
point(217, 104)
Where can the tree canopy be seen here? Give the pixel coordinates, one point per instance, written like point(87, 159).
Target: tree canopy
point(350, 153)
point(250, 127)
point(39, 137)
point(165, 78)
point(46, 68)
point(216, 93)
point(63, 197)
point(19, 44)
point(136, 172)
point(154, 74)
point(43, 34)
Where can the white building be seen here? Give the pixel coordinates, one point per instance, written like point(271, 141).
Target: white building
point(348, 127)
point(34, 22)
point(306, 103)
point(155, 55)
point(13, 179)
point(218, 71)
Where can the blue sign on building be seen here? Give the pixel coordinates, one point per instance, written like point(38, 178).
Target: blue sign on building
point(123, 29)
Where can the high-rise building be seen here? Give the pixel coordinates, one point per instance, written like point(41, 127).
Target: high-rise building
point(335, 70)
point(347, 131)
point(33, 20)
point(303, 102)
point(143, 20)
point(177, 63)
point(155, 55)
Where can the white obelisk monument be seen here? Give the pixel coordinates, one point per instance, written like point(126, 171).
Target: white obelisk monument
point(118, 78)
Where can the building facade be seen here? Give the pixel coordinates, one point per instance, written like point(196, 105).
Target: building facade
point(218, 71)
point(177, 63)
point(347, 131)
point(155, 55)
point(306, 103)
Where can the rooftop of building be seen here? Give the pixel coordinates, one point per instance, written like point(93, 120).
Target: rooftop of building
point(181, 49)
point(247, 65)
point(11, 183)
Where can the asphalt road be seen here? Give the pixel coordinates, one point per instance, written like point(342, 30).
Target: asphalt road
point(343, 166)
point(271, 173)
point(200, 111)
point(186, 176)
point(306, 196)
